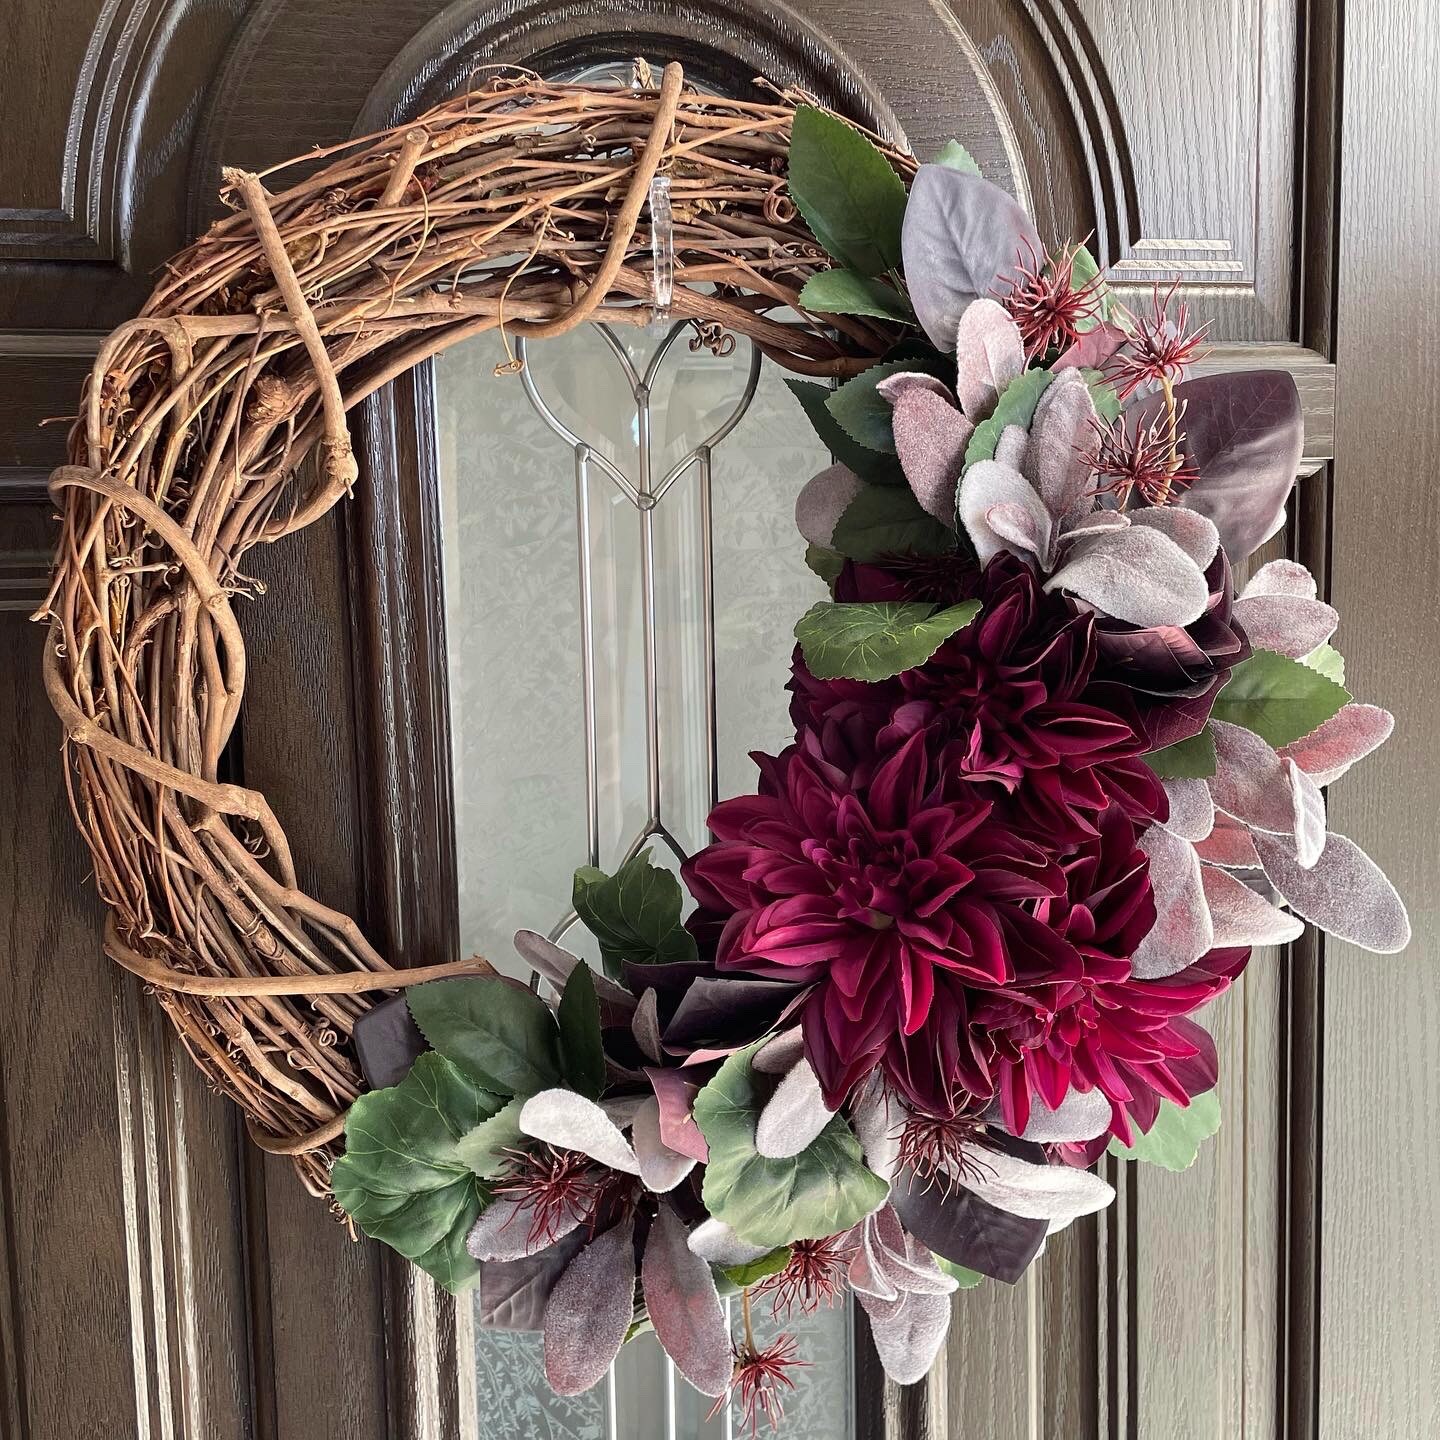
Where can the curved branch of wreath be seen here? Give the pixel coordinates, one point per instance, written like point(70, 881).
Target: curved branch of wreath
point(189, 448)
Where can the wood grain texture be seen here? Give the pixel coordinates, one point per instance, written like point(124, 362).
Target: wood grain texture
point(1380, 1285)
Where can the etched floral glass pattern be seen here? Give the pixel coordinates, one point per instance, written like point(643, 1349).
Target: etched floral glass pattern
point(516, 503)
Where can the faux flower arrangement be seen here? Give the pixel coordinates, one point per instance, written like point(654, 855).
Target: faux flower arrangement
point(1052, 778)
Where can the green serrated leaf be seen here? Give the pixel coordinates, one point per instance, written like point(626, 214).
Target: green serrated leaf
point(1280, 699)
point(845, 292)
point(966, 1279)
point(401, 1178)
point(744, 1276)
point(1174, 1140)
point(862, 411)
point(1328, 661)
point(483, 1149)
point(827, 564)
point(1192, 759)
point(872, 465)
point(634, 914)
point(498, 1033)
point(823, 1190)
point(582, 1054)
point(1016, 406)
point(885, 520)
point(847, 191)
point(875, 641)
point(1102, 394)
point(1084, 270)
point(954, 156)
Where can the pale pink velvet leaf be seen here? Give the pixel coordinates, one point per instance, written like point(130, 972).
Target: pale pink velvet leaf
point(1241, 917)
point(989, 354)
point(1281, 577)
point(822, 501)
point(1229, 845)
point(930, 439)
point(1350, 734)
point(590, 1311)
point(661, 1168)
point(1036, 1192)
point(1057, 462)
point(569, 1121)
point(1288, 624)
point(793, 1116)
point(1182, 931)
point(988, 483)
point(1192, 811)
point(1134, 574)
point(1307, 806)
point(1192, 532)
point(1250, 780)
point(684, 1305)
point(503, 1229)
point(908, 1333)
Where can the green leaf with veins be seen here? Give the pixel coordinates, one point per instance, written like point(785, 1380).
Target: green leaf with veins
point(1082, 272)
point(483, 1149)
point(1328, 661)
point(868, 464)
point(1174, 1140)
point(1192, 759)
point(877, 640)
point(754, 1271)
point(634, 914)
point(1016, 406)
point(402, 1179)
point(954, 156)
point(862, 411)
point(1102, 394)
point(846, 292)
point(823, 1190)
point(827, 564)
point(886, 520)
point(498, 1032)
point(1280, 699)
point(582, 1054)
point(847, 192)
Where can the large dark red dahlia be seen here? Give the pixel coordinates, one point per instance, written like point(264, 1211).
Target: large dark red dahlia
point(1006, 702)
point(898, 898)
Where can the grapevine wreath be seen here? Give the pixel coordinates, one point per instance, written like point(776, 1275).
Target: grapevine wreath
point(1053, 771)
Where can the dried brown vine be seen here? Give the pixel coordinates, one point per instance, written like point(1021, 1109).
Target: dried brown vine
point(188, 451)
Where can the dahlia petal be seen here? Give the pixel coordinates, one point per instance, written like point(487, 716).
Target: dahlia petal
point(989, 483)
point(822, 502)
point(930, 439)
point(684, 1306)
point(989, 354)
point(1135, 574)
point(1241, 917)
point(1347, 736)
point(571, 1122)
point(590, 1310)
point(1081, 1115)
point(1192, 532)
point(715, 1242)
point(908, 1333)
point(1287, 624)
point(1192, 811)
point(661, 1168)
point(1308, 810)
point(1250, 780)
point(1345, 893)
point(1057, 460)
point(503, 1229)
point(793, 1116)
point(1182, 932)
point(1037, 1192)
point(1281, 577)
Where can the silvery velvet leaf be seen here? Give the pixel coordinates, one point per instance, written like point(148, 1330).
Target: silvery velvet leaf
point(1020, 528)
point(1244, 432)
point(1241, 917)
point(684, 1306)
point(1250, 780)
point(930, 439)
point(1193, 533)
point(780, 1053)
point(961, 236)
point(1010, 448)
point(989, 354)
point(1083, 1114)
point(555, 963)
point(908, 1333)
point(1037, 1192)
point(716, 1242)
point(1288, 624)
point(1228, 845)
point(793, 1116)
point(1307, 807)
point(571, 1122)
point(822, 501)
point(1182, 932)
point(645, 1026)
point(1350, 734)
point(1192, 811)
point(502, 1231)
point(877, 1118)
point(1057, 460)
point(904, 1265)
point(661, 1168)
point(1281, 577)
point(1133, 574)
point(988, 483)
point(590, 1311)
point(1345, 892)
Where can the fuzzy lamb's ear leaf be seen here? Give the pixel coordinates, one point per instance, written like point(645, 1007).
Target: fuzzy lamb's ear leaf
point(1054, 1193)
point(793, 1116)
point(1282, 578)
point(822, 501)
point(1057, 461)
point(1250, 780)
point(684, 1306)
point(503, 1232)
point(1134, 574)
point(1174, 1139)
point(908, 1333)
point(1182, 931)
point(1307, 806)
point(962, 236)
point(590, 1310)
point(930, 439)
point(715, 1241)
point(989, 354)
point(1241, 917)
point(1345, 893)
point(1243, 433)
point(1287, 624)
point(987, 484)
point(571, 1122)
point(1350, 734)
point(661, 1168)
point(1192, 532)
point(1192, 811)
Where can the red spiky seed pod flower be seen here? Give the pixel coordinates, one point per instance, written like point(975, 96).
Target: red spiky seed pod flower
point(941, 1150)
point(1160, 348)
point(813, 1276)
point(1146, 461)
point(761, 1378)
point(1045, 303)
point(555, 1187)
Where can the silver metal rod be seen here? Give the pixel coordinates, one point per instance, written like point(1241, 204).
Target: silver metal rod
point(647, 604)
point(707, 630)
point(587, 654)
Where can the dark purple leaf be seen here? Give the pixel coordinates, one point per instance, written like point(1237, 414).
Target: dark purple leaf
point(963, 1228)
point(387, 1042)
point(513, 1292)
point(729, 1012)
point(677, 1121)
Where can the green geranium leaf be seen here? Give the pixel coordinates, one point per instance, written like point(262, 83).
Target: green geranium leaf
point(1328, 661)
point(868, 464)
point(401, 1178)
point(954, 156)
point(1016, 406)
point(743, 1276)
point(634, 913)
point(483, 1149)
point(1174, 1140)
point(1102, 394)
point(821, 1191)
point(1192, 759)
point(848, 192)
point(876, 641)
point(499, 1033)
point(827, 564)
point(966, 1279)
point(844, 292)
point(862, 411)
point(1280, 699)
point(582, 1055)
point(885, 520)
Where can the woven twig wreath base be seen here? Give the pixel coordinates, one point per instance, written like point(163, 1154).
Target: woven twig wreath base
point(188, 451)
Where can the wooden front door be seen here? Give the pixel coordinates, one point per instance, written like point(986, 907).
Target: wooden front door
point(160, 1277)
